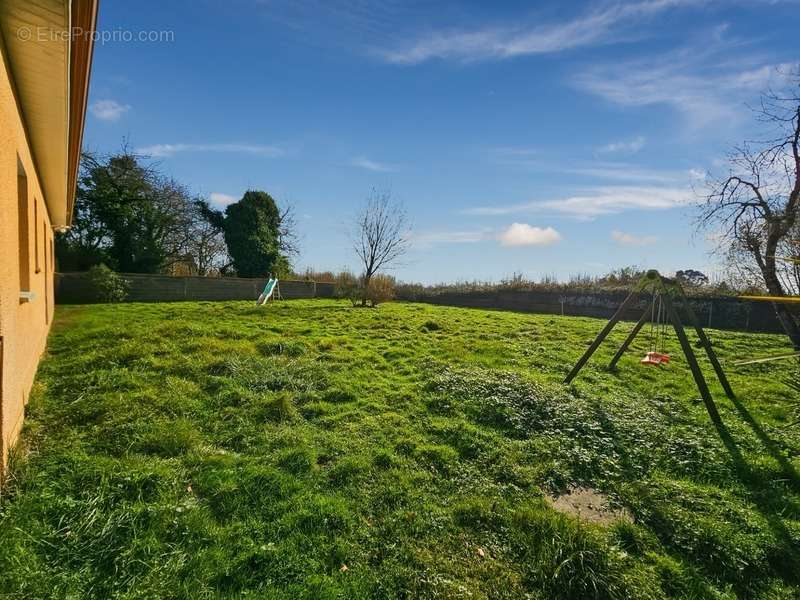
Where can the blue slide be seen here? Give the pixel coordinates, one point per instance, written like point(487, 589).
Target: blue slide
point(268, 291)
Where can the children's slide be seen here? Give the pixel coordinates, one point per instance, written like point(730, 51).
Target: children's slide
point(268, 291)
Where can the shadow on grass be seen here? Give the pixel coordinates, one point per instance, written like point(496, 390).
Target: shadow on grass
point(795, 385)
point(770, 503)
point(773, 448)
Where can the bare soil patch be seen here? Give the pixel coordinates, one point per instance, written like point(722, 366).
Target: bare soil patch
point(590, 505)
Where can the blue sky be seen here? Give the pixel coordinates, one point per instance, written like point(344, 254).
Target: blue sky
point(549, 139)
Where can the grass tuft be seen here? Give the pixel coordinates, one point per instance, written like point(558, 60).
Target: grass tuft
point(430, 326)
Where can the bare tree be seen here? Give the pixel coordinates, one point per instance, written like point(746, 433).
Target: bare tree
point(744, 273)
point(757, 206)
point(381, 235)
point(206, 244)
point(288, 238)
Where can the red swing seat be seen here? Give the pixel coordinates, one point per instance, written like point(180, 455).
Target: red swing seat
point(658, 324)
point(655, 358)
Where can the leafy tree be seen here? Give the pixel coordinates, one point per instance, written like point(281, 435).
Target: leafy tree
point(133, 218)
point(85, 243)
point(622, 277)
point(259, 236)
point(126, 215)
point(121, 193)
point(691, 277)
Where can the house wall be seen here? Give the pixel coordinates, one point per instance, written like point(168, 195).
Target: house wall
point(23, 325)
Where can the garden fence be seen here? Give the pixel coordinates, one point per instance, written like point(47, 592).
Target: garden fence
point(74, 288)
point(718, 312)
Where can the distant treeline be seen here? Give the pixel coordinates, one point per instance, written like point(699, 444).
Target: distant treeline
point(694, 282)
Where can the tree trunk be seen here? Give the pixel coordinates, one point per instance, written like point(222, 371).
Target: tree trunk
point(787, 317)
point(367, 278)
point(789, 323)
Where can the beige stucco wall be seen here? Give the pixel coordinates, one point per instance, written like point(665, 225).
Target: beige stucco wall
point(23, 325)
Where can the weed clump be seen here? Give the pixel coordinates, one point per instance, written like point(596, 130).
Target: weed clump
point(568, 560)
point(428, 326)
point(297, 460)
point(278, 407)
point(442, 458)
point(168, 438)
point(347, 470)
point(480, 513)
point(275, 373)
point(384, 459)
point(318, 515)
point(337, 396)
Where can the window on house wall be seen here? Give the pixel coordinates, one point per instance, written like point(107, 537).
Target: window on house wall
point(24, 229)
point(46, 291)
point(36, 234)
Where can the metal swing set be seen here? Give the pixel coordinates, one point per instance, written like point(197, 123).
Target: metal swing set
point(660, 312)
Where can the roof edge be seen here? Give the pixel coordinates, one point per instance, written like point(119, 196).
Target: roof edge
point(83, 23)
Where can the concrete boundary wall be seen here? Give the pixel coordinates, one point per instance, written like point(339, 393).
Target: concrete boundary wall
point(74, 288)
point(715, 312)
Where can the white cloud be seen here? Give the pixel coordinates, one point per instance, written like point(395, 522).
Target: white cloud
point(598, 201)
point(108, 110)
point(362, 162)
point(706, 85)
point(628, 239)
point(625, 146)
point(530, 159)
point(605, 25)
point(220, 199)
point(166, 150)
point(522, 234)
point(628, 173)
point(610, 200)
point(516, 234)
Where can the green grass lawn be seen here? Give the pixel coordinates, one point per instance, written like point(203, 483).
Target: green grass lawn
point(308, 449)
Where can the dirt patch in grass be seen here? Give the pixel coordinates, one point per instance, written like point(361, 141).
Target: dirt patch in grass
point(590, 505)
